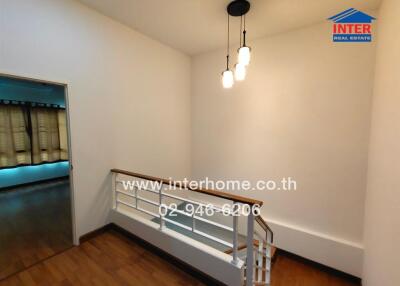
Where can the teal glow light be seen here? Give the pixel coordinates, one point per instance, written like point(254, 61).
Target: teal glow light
point(28, 174)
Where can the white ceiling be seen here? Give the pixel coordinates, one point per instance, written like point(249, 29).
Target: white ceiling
point(196, 26)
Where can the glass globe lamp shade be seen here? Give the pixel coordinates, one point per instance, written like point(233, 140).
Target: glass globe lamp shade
point(240, 72)
point(227, 79)
point(244, 56)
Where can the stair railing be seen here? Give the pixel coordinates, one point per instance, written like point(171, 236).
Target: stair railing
point(263, 253)
point(138, 203)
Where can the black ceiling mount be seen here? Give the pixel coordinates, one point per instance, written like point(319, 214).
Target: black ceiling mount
point(238, 8)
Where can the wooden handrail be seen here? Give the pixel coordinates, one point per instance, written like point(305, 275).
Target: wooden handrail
point(265, 226)
point(218, 194)
point(243, 246)
point(256, 244)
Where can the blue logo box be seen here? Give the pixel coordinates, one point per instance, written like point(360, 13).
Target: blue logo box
point(352, 37)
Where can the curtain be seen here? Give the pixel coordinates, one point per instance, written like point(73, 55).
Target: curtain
point(46, 136)
point(15, 147)
point(32, 135)
point(62, 128)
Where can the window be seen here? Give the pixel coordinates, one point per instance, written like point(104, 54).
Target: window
point(31, 135)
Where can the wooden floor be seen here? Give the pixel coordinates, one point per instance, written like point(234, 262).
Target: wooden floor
point(35, 223)
point(292, 271)
point(113, 259)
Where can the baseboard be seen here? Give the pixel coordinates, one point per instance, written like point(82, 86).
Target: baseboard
point(335, 253)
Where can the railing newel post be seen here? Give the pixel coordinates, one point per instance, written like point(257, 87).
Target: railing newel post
point(235, 239)
point(162, 222)
point(250, 250)
point(193, 221)
point(136, 197)
point(260, 259)
point(114, 190)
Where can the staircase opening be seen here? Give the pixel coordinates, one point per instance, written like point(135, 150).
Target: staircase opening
point(170, 214)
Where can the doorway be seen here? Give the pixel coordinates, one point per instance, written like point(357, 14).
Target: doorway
point(36, 195)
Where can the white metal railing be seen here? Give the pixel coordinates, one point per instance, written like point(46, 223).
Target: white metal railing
point(261, 260)
point(252, 257)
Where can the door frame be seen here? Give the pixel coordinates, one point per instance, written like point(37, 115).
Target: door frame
point(65, 85)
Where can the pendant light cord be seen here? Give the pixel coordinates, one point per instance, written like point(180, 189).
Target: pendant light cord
point(240, 33)
point(244, 31)
point(227, 50)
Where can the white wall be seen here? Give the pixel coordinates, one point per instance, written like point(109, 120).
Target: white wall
point(128, 94)
point(303, 112)
point(382, 221)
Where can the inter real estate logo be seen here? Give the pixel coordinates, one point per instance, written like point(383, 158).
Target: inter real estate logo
point(352, 26)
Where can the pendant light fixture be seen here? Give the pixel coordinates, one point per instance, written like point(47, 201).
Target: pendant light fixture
point(237, 8)
point(244, 51)
point(227, 75)
point(240, 69)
